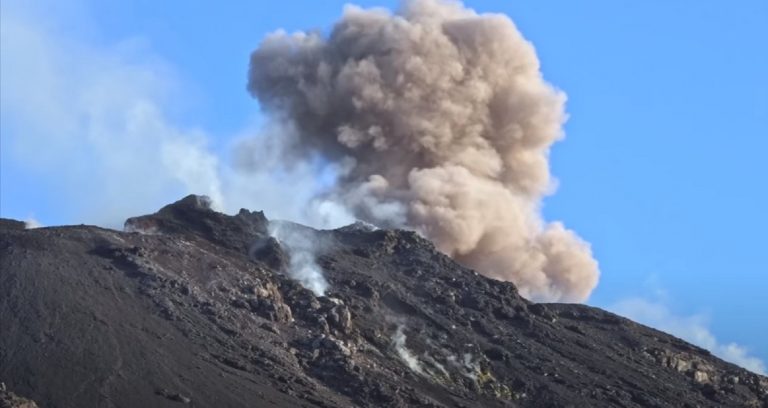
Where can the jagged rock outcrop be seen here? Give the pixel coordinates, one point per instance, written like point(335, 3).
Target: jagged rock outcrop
point(10, 400)
point(193, 307)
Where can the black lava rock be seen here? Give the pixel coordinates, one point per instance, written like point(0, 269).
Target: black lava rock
point(200, 306)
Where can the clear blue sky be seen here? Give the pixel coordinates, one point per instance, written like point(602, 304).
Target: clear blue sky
point(663, 168)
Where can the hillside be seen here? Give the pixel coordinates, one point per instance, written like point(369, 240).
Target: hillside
point(196, 308)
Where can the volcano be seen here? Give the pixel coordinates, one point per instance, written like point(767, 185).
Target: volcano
point(191, 307)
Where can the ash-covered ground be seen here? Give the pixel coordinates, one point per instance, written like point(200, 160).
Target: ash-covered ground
point(198, 308)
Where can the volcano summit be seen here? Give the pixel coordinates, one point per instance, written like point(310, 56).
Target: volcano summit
point(193, 307)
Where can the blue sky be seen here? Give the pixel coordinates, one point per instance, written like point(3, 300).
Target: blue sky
point(662, 168)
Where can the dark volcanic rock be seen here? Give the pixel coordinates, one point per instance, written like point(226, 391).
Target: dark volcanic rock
point(8, 224)
point(193, 307)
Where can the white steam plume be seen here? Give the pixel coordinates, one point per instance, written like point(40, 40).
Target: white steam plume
point(441, 122)
point(398, 340)
point(95, 125)
point(468, 367)
point(302, 248)
point(32, 223)
point(91, 120)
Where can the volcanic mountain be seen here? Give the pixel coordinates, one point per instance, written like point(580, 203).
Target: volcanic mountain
point(192, 307)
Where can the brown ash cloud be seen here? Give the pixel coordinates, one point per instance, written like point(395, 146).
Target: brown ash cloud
point(441, 122)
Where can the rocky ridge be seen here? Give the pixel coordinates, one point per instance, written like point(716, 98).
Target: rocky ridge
point(193, 307)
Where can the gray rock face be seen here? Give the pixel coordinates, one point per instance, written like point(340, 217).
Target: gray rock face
point(11, 400)
point(194, 307)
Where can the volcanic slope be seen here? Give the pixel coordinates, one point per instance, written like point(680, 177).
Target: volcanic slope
point(197, 308)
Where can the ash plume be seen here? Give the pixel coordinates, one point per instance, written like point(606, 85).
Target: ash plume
point(442, 123)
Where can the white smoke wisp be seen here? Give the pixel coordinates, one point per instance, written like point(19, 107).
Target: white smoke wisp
point(442, 123)
point(468, 367)
point(91, 121)
point(32, 223)
point(398, 341)
point(99, 125)
point(302, 248)
point(434, 363)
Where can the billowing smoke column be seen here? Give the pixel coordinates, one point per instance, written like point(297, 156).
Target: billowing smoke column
point(442, 123)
